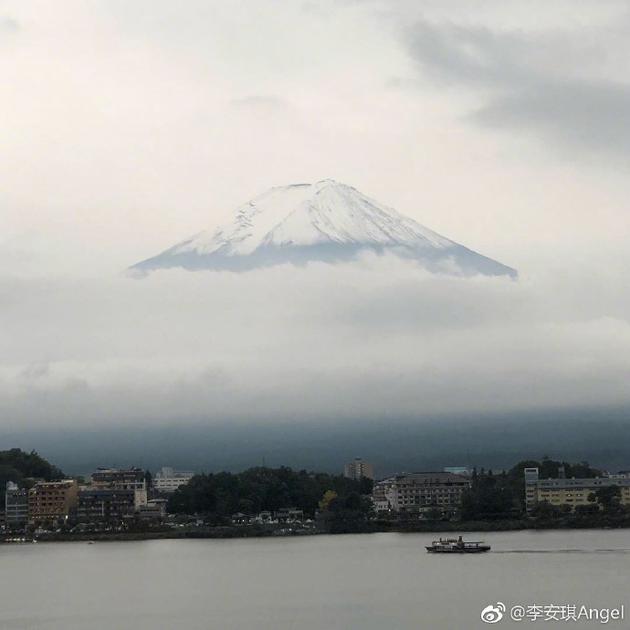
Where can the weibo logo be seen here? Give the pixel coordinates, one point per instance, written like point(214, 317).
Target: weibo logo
point(493, 613)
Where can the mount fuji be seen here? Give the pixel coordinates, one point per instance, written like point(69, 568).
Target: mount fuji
point(325, 221)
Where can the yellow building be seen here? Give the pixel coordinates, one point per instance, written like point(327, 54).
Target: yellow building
point(52, 501)
point(571, 492)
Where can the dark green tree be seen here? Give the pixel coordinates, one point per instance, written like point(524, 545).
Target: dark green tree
point(18, 466)
point(490, 497)
point(609, 498)
point(258, 489)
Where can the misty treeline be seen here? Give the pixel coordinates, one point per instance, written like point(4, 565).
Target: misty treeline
point(22, 468)
point(220, 495)
point(495, 496)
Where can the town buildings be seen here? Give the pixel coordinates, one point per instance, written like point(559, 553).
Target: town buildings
point(105, 505)
point(112, 496)
point(358, 469)
point(15, 506)
point(571, 492)
point(52, 502)
point(154, 510)
point(417, 492)
point(122, 479)
point(168, 480)
point(287, 516)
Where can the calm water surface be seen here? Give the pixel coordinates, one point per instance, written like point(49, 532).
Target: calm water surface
point(368, 582)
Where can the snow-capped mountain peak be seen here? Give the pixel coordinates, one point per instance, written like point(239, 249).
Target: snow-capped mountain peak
point(326, 220)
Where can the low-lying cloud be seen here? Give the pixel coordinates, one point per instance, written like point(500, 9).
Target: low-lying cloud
point(375, 340)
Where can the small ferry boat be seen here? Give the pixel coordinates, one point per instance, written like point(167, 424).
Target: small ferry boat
point(457, 545)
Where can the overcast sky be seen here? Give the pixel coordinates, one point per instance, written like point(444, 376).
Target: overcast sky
point(128, 126)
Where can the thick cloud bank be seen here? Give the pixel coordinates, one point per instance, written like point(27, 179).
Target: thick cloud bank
point(375, 340)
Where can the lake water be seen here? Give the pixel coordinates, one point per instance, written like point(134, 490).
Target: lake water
point(368, 582)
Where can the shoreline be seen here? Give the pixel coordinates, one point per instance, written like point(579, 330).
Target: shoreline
point(234, 532)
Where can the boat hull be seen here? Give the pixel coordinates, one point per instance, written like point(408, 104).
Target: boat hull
point(481, 549)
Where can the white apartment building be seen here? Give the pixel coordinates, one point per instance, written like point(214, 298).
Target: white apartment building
point(168, 480)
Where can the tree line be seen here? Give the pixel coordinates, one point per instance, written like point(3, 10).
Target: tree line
point(219, 495)
point(20, 467)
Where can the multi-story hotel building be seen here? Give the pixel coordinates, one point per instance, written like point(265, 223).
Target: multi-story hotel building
point(414, 492)
point(105, 504)
point(122, 479)
point(571, 492)
point(52, 501)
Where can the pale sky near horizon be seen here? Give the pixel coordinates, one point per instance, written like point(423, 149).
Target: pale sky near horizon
point(127, 126)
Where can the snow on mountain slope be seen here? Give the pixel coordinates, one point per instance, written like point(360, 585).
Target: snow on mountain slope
point(326, 221)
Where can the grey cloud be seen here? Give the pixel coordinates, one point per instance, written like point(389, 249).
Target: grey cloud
point(375, 340)
point(459, 54)
point(549, 83)
point(588, 115)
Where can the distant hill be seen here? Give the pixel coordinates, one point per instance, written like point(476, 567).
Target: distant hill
point(600, 436)
point(17, 466)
